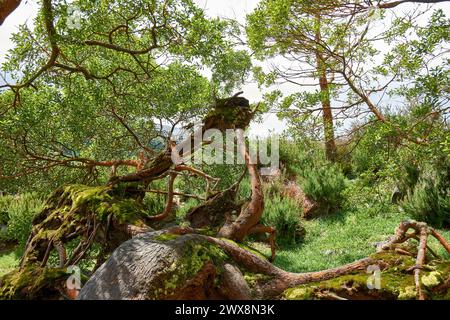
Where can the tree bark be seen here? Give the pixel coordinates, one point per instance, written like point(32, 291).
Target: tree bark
point(152, 267)
point(6, 8)
point(251, 213)
point(327, 115)
point(180, 263)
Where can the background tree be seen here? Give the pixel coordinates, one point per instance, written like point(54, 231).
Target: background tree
point(347, 40)
point(296, 30)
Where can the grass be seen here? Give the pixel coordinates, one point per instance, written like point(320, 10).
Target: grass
point(342, 238)
point(9, 258)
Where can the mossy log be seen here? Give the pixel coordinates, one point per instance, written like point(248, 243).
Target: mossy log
point(166, 265)
point(105, 215)
point(34, 282)
point(179, 264)
point(158, 266)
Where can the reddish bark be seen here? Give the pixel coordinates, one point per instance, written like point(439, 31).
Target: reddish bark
point(6, 8)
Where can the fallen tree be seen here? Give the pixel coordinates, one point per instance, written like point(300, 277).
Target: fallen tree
point(181, 263)
point(108, 225)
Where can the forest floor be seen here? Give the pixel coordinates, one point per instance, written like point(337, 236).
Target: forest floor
point(342, 238)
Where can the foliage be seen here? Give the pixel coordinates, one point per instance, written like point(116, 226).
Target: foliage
point(9, 260)
point(322, 181)
point(103, 102)
point(155, 203)
point(284, 214)
point(429, 200)
point(186, 207)
point(325, 186)
point(299, 154)
point(21, 211)
point(5, 202)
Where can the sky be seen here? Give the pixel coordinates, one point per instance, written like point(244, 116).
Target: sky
point(236, 9)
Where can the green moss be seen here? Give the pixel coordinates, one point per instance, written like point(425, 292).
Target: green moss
point(253, 279)
point(102, 201)
point(407, 293)
point(299, 293)
point(30, 283)
point(226, 115)
point(432, 279)
point(247, 248)
point(397, 281)
point(166, 237)
point(195, 255)
point(71, 207)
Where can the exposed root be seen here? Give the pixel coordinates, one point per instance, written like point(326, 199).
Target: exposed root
point(62, 253)
point(260, 228)
point(233, 285)
point(282, 280)
point(251, 213)
point(420, 232)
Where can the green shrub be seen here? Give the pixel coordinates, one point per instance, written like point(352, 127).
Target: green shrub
point(298, 156)
point(4, 204)
point(21, 212)
point(185, 207)
point(325, 185)
point(154, 203)
point(283, 214)
point(228, 174)
point(429, 201)
point(374, 148)
point(245, 189)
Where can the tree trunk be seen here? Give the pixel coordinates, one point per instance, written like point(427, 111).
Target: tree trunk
point(251, 213)
point(181, 263)
point(6, 8)
point(327, 115)
point(157, 266)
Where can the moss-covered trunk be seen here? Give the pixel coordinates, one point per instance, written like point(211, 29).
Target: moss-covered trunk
point(166, 265)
